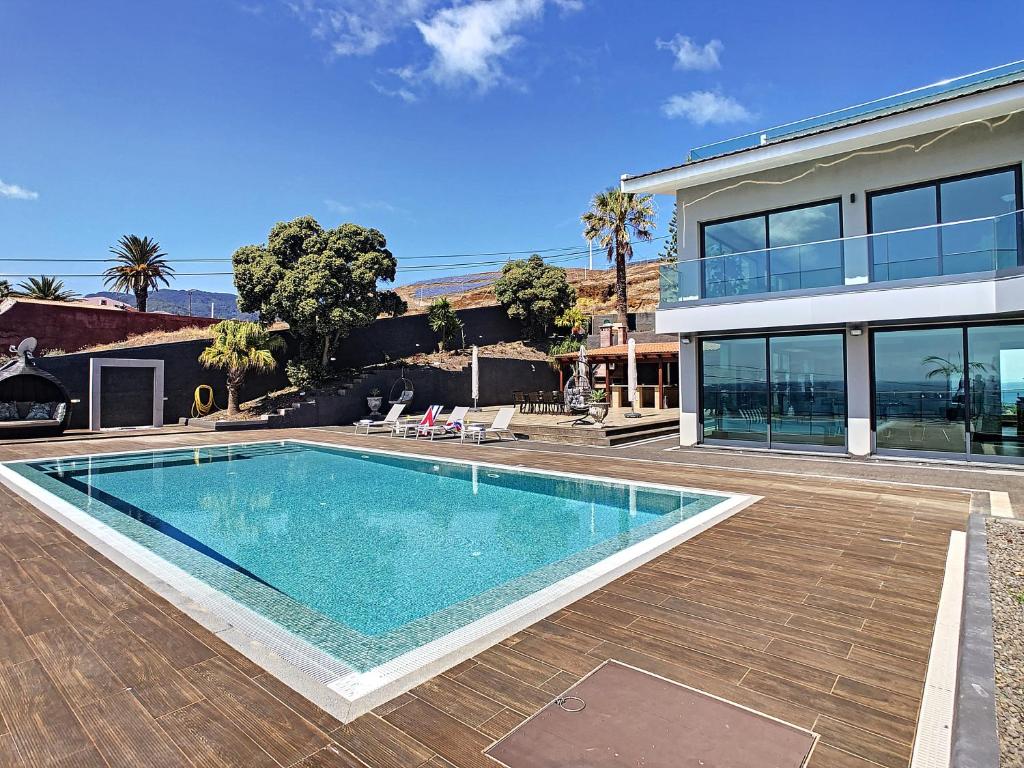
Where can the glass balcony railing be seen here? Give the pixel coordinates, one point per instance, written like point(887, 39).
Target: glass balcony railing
point(956, 86)
point(956, 248)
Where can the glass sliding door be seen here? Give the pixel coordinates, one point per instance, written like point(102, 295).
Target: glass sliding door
point(996, 390)
point(920, 390)
point(808, 386)
point(734, 390)
point(779, 391)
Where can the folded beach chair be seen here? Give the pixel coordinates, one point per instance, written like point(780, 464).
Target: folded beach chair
point(388, 422)
point(409, 426)
point(499, 427)
point(452, 426)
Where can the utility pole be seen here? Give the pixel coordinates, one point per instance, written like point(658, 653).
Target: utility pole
point(211, 307)
point(189, 292)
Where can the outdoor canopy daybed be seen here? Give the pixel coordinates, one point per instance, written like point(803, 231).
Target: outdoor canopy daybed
point(34, 401)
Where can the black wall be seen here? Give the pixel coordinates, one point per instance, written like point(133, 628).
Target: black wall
point(410, 334)
point(182, 374)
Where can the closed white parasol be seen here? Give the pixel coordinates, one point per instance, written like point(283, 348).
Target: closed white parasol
point(475, 393)
point(631, 379)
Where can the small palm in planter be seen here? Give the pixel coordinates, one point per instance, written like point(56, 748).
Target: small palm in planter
point(374, 401)
point(598, 407)
point(240, 348)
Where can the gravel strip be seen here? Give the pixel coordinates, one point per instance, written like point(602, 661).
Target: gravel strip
point(1006, 573)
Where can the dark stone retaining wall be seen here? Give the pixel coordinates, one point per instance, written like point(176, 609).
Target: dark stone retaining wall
point(975, 735)
point(410, 334)
point(182, 374)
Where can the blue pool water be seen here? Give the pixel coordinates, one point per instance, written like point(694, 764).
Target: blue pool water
point(366, 555)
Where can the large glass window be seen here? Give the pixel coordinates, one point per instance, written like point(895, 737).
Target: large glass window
point(996, 389)
point(920, 390)
point(773, 251)
point(734, 380)
point(779, 391)
point(808, 385)
point(965, 245)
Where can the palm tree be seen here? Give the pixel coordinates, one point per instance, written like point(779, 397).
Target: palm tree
point(444, 322)
point(5, 290)
point(46, 287)
point(240, 347)
point(141, 266)
point(613, 217)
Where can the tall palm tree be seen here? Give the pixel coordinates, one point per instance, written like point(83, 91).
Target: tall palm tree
point(141, 266)
point(240, 347)
point(46, 287)
point(614, 218)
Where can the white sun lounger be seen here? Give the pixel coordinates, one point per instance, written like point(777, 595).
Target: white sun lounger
point(452, 426)
point(388, 422)
point(410, 426)
point(499, 427)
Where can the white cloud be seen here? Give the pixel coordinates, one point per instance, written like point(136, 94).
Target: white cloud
point(470, 41)
point(404, 94)
point(691, 55)
point(14, 192)
point(358, 27)
point(703, 107)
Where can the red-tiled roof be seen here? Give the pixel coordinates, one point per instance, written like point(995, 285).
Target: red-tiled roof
point(622, 350)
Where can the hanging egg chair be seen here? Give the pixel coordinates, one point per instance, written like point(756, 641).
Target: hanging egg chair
point(402, 391)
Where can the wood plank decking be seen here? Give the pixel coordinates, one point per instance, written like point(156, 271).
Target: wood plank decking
point(815, 605)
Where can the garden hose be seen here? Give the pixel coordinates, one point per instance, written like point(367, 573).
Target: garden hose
point(203, 406)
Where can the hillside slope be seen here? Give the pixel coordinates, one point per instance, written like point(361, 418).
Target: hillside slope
point(477, 290)
point(225, 305)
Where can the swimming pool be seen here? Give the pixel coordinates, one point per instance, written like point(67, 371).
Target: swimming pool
point(363, 570)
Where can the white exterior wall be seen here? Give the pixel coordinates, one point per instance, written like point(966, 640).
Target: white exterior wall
point(971, 148)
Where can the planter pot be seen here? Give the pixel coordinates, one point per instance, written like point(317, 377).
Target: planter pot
point(598, 412)
point(374, 403)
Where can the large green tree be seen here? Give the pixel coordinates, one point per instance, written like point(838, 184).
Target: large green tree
point(322, 282)
point(239, 348)
point(614, 219)
point(670, 250)
point(141, 266)
point(534, 293)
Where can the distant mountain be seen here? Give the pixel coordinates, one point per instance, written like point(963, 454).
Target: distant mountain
point(225, 305)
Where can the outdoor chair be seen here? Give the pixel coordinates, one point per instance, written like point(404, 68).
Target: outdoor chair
point(388, 422)
point(499, 427)
point(452, 426)
point(409, 426)
point(546, 402)
point(519, 401)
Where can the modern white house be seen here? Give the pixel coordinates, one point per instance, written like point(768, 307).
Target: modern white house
point(854, 282)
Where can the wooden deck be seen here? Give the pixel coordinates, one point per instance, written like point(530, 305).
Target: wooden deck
point(815, 605)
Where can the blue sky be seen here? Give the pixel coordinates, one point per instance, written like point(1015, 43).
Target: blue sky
point(454, 126)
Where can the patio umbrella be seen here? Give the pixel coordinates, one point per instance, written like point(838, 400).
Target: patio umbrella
point(631, 379)
point(475, 386)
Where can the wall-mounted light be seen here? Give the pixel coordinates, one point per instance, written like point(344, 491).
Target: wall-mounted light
point(856, 331)
point(853, 197)
point(685, 339)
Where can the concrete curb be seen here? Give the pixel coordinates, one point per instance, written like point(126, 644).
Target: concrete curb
point(975, 734)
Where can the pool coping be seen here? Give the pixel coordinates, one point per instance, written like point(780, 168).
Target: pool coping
point(285, 655)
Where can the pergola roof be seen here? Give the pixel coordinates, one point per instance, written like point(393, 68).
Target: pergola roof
point(657, 350)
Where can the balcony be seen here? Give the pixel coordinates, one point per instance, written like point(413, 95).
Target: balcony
point(919, 255)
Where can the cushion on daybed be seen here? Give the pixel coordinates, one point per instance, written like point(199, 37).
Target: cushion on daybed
point(9, 411)
point(40, 412)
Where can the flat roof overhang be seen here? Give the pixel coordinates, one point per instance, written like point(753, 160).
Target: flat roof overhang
point(986, 105)
point(979, 298)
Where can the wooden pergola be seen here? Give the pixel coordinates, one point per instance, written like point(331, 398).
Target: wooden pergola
point(648, 352)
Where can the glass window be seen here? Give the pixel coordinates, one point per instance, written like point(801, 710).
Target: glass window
point(972, 247)
point(737, 262)
point(903, 255)
point(800, 258)
point(735, 275)
point(962, 244)
point(996, 387)
point(734, 391)
point(920, 390)
point(808, 401)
